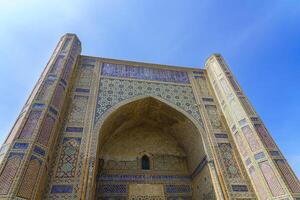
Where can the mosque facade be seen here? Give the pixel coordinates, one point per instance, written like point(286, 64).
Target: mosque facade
point(106, 129)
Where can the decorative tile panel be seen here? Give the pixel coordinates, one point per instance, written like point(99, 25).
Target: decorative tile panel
point(257, 183)
point(113, 91)
point(290, 178)
point(213, 116)
point(144, 73)
point(30, 125)
point(88, 60)
point(57, 64)
point(68, 69)
point(112, 189)
point(39, 150)
point(62, 189)
point(53, 110)
point(74, 129)
point(233, 83)
point(253, 143)
point(38, 106)
point(45, 92)
point(264, 135)
point(239, 188)
point(229, 160)
point(178, 189)
point(58, 96)
point(249, 110)
point(180, 198)
point(259, 156)
point(83, 90)
point(202, 83)
point(46, 130)
point(30, 177)
point(85, 75)
point(142, 178)
point(221, 135)
point(68, 158)
point(78, 109)
point(20, 145)
point(9, 171)
point(240, 144)
point(271, 178)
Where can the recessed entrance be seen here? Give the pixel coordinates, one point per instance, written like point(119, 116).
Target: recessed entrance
point(151, 150)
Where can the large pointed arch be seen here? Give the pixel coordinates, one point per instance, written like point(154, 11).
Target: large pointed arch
point(187, 130)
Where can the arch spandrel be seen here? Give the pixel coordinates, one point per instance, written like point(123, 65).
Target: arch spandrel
point(113, 91)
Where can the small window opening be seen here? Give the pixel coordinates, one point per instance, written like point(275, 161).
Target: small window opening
point(145, 162)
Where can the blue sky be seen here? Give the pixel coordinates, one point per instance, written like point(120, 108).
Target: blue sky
point(259, 40)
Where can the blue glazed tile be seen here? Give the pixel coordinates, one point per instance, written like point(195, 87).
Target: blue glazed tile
point(20, 145)
point(82, 90)
point(63, 82)
point(52, 110)
point(39, 150)
point(239, 188)
point(178, 189)
point(145, 73)
point(38, 105)
point(74, 129)
point(62, 189)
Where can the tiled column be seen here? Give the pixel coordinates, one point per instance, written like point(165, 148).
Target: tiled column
point(232, 175)
point(30, 144)
point(257, 149)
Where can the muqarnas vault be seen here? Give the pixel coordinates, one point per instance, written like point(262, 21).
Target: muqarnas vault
point(98, 128)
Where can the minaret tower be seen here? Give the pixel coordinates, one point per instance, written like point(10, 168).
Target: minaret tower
point(29, 146)
point(268, 170)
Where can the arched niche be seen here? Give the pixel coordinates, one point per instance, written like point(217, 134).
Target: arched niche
point(148, 126)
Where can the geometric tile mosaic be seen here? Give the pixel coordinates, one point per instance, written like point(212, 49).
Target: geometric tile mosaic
point(30, 124)
point(30, 177)
point(271, 178)
point(112, 188)
point(288, 176)
point(78, 109)
point(229, 160)
point(68, 69)
point(178, 189)
point(8, 173)
point(113, 91)
point(265, 137)
point(144, 73)
point(68, 158)
point(257, 183)
point(45, 92)
point(46, 130)
point(253, 143)
point(58, 96)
